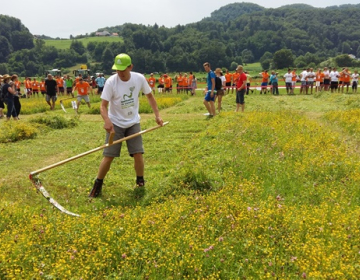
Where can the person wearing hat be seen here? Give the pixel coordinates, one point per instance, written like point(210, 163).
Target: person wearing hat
point(120, 110)
point(8, 93)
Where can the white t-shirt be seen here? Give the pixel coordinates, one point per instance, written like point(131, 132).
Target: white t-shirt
point(334, 76)
point(123, 98)
point(310, 76)
point(303, 75)
point(326, 74)
point(223, 81)
point(355, 77)
point(288, 77)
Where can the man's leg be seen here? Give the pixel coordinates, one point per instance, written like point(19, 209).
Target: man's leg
point(139, 165)
point(212, 107)
point(207, 106)
point(104, 167)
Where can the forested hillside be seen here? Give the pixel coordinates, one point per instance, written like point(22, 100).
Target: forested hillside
point(235, 33)
point(14, 36)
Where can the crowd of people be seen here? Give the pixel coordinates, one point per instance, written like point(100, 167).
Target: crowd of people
point(322, 80)
point(50, 88)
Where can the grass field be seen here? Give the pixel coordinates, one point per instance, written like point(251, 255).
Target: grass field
point(65, 43)
point(271, 193)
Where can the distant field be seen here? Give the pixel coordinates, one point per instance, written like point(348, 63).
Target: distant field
point(65, 43)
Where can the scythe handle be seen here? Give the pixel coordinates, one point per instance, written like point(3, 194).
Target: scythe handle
point(96, 149)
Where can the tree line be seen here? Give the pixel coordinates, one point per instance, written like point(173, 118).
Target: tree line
point(290, 36)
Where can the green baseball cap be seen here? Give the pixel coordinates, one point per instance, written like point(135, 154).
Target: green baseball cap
point(122, 61)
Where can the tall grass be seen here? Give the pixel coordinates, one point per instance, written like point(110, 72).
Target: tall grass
point(270, 193)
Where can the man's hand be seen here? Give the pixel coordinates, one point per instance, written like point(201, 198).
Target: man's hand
point(108, 126)
point(159, 121)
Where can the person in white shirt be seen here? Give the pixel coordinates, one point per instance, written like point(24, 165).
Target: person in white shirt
point(334, 77)
point(326, 79)
point(303, 78)
point(354, 81)
point(310, 80)
point(120, 110)
point(288, 81)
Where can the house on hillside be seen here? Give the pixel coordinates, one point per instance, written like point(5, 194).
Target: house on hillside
point(114, 34)
point(102, 33)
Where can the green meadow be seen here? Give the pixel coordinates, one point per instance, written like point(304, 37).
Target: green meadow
point(271, 193)
point(65, 43)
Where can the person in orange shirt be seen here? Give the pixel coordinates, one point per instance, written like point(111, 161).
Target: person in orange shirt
point(83, 89)
point(235, 77)
point(179, 81)
point(28, 88)
point(167, 83)
point(185, 83)
point(346, 75)
point(42, 87)
point(190, 80)
point(319, 80)
point(152, 82)
point(228, 79)
point(161, 84)
point(265, 81)
point(60, 85)
point(35, 86)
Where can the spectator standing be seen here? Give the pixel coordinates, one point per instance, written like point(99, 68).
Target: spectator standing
point(334, 78)
point(42, 87)
point(310, 79)
point(209, 100)
point(319, 80)
point(69, 85)
point(274, 83)
point(60, 85)
point(100, 82)
point(228, 78)
point(248, 83)
point(264, 82)
point(17, 95)
point(346, 80)
point(355, 80)
point(240, 89)
point(288, 81)
point(193, 85)
point(35, 87)
point(152, 82)
point(28, 89)
point(303, 79)
point(8, 92)
point(51, 90)
point(294, 80)
point(220, 90)
point(326, 79)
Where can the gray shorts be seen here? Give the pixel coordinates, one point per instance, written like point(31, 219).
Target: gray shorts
point(85, 97)
point(53, 98)
point(134, 145)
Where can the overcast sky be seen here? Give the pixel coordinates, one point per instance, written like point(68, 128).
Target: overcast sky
point(65, 18)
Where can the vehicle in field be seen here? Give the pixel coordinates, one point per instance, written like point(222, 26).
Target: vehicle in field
point(85, 73)
point(53, 72)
